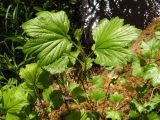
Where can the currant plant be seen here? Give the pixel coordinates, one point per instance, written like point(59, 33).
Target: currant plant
point(52, 44)
point(56, 51)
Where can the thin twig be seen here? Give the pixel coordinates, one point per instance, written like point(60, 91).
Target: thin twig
point(152, 93)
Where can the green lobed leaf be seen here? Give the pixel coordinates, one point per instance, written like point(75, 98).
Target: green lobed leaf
point(73, 56)
point(49, 36)
point(153, 103)
point(150, 47)
point(140, 108)
point(56, 99)
point(116, 97)
point(29, 90)
point(97, 81)
point(33, 116)
point(122, 80)
point(78, 93)
point(47, 95)
point(89, 63)
point(72, 86)
point(78, 33)
point(78, 115)
point(14, 100)
point(33, 75)
point(153, 116)
point(111, 39)
point(152, 72)
point(53, 97)
point(157, 34)
point(133, 114)
point(137, 70)
point(10, 116)
point(58, 66)
point(114, 115)
point(98, 95)
point(1, 77)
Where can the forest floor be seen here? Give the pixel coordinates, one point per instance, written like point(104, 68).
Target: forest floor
point(131, 89)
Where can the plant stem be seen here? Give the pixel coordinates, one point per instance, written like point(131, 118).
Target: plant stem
point(77, 59)
point(106, 94)
point(78, 47)
point(41, 104)
point(63, 82)
point(152, 93)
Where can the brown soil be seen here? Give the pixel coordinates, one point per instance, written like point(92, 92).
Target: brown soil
point(128, 90)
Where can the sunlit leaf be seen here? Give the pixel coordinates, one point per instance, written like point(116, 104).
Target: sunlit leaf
point(79, 93)
point(150, 47)
point(58, 66)
point(98, 95)
point(122, 80)
point(33, 75)
point(153, 103)
point(137, 70)
point(153, 116)
point(116, 97)
point(29, 90)
point(78, 115)
point(46, 93)
point(140, 108)
point(14, 100)
point(97, 81)
point(33, 116)
point(111, 39)
point(89, 63)
point(78, 33)
point(72, 86)
point(10, 116)
point(152, 72)
point(133, 114)
point(114, 115)
point(73, 56)
point(49, 36)
point(1, 77)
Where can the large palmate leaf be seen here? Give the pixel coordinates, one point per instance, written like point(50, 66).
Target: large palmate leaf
point(111, 39)
point(58, 66)
point(152, 73)
point(14, 100)
point(49, 36)
point(149, 48)
point(33, 75)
